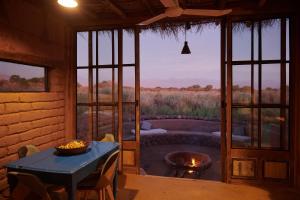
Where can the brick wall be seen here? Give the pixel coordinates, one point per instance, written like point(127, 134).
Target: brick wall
point(30, 34)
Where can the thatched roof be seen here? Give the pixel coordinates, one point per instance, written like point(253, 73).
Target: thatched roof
point(95, 14)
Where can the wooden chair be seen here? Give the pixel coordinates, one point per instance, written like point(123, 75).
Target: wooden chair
point(30, 187)
point(27, 150)
point(103, 181)
point(108, 137)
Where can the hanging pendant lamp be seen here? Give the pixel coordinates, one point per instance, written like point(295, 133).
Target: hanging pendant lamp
point(186, 49)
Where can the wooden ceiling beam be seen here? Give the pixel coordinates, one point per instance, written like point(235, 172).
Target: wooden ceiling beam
point(116, 9)
point(220, 4)
point(148, 6)
point(261, 3)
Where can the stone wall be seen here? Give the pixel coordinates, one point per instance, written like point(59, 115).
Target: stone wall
point(29, 34)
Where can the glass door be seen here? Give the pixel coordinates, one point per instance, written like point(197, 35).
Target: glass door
point(108, 89)
point(258, 109)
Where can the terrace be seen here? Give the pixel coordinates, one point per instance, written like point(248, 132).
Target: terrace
point(75, 73)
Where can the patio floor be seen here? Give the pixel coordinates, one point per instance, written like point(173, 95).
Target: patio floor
point(137, 187)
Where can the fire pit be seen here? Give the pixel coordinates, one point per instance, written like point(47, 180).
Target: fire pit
point(186, 162)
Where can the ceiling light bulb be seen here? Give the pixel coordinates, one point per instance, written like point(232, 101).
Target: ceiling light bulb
point(68, 3)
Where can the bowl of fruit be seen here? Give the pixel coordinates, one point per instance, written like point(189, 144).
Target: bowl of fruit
point(72, 148)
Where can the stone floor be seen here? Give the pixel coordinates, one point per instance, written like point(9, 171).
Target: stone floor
point(152, 160)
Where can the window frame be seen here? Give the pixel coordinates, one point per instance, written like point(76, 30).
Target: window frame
point(284, 63)
point(96, 104)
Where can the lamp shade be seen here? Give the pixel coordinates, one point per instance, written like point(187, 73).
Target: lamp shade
point(186, 49)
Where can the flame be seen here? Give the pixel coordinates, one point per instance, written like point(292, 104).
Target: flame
point(193, 162)
point(190, 171)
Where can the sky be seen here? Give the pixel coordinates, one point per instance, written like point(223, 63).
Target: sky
point(25, 71)
point(162, 63)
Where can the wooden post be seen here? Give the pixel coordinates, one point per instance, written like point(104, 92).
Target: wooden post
point(137, 96)
point(120, 96)
point(223, 99)
point(90, 95)
point(229, 100)
point(283, 82)
point(113, 82)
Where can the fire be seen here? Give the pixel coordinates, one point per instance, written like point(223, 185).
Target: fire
point(193, 162)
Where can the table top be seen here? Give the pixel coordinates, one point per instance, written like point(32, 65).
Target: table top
point(49, 161)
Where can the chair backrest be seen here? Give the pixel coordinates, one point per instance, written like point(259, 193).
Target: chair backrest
point(33, 183)
point(27, 150)
point(109, 169)
point(107, 138)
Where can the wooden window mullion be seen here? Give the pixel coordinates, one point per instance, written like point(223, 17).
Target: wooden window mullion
point(259, 82)
point(97, 83)
point(252, 84)
point(113, 80)
point(90, 78)
point(283, 81)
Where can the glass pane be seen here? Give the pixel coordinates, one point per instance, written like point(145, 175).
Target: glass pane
point(241, 42)
point(82, 85)
point(287, 130)
point(255, 84)
point(116, 46)
point(94, 34)
point(287, 39)
point(82, 49)
point(271, 40)
point(21, 78)
point(105, 47)
point(244, 121)
point(271, 83)
point(128, 121)
point(128, 47)
point(116, 84)
point(82, 122)
point(241, 84)
point(287, 78)
point(105, 85)
point(128, 84)
point(255, 42)
point(105, 121)
point(270, 127)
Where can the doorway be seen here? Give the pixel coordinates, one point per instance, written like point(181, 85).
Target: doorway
point(181, 102)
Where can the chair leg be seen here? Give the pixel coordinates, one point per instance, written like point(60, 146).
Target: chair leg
point(99, 194)
point(85, 195)
point(103, 193)
point(110, 192)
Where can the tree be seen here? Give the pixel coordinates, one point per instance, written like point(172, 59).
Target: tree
point(14, 78)
point(208, 88)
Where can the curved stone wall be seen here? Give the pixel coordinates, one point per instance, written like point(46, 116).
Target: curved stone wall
point(201, 139)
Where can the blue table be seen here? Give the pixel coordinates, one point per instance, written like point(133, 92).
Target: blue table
point(63, 170)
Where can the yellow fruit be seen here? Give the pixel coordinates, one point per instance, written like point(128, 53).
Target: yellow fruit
point(72, 145)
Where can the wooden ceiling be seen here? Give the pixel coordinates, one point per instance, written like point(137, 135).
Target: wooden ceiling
point(97, 13)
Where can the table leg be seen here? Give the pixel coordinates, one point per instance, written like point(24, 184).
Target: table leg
point(12, 182)
point(71, 189)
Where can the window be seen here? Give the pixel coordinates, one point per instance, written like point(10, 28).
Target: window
point(97, 77)
point(16, 77)
point(260, 84)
